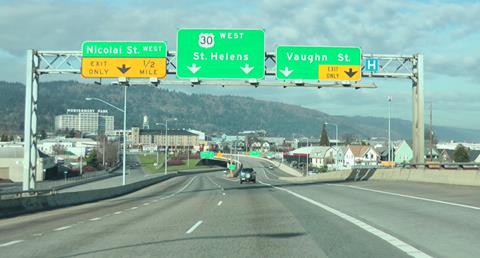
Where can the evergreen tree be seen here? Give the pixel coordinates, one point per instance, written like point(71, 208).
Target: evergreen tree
point(461, 154)
point(324, 138)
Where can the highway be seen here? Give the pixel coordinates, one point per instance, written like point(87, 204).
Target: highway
point(208, 215)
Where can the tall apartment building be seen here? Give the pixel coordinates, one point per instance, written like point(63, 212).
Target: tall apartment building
point(85, 120)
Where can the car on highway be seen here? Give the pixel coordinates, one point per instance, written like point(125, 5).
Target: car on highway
point(248, 175)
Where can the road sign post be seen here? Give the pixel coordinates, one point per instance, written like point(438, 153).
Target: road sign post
point(318, 63)
point(103, 59)
point(221, 53)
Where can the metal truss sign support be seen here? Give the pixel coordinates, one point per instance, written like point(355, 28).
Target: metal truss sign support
point(69, 62)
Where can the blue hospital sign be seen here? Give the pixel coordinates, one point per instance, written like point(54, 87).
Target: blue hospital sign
point(372, 65)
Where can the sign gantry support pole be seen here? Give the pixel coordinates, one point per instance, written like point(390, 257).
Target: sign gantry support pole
point(418, 122)
point(30, 123)
point(69, 62)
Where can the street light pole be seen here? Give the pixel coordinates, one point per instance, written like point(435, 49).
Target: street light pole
point(124, 110)
point(166, 141)
point(166, 145)
point(124, 135)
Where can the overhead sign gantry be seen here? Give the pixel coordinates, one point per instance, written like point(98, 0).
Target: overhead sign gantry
point(223, 57)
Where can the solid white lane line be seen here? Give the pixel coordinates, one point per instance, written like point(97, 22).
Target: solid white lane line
point(95, 219)
point(11, 243)
point(234, 180)
point(410, 250)
point(194, 227)
point(117, 212)
point(62, 228)
point(219, 203)
point(409, 196)
point(185, 187)
point(265, 173)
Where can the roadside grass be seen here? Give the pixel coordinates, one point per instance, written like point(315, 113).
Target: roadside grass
point(147, 162)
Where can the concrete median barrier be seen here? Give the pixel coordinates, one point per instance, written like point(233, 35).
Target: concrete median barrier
point(25, 205)
point(438, 176)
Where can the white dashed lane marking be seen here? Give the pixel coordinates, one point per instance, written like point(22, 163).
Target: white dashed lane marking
point(62, 228)
point(219, 203)
point(95, 219)
point(11, 243)
point(194, 227)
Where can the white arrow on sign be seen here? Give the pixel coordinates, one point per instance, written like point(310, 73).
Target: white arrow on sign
point(286, 72)
point(194, 68)
point(246, 69)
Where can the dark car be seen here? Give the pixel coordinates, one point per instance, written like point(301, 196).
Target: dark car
point(248, 175)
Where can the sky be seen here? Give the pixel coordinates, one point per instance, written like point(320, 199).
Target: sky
point(446, 32)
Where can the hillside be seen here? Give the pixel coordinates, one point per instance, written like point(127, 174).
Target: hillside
point(213, 114)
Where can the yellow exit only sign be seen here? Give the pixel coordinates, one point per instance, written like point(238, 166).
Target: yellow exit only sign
point(124, 67)
point(339, 72)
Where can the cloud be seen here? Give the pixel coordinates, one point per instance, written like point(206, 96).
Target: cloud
point(444, 31)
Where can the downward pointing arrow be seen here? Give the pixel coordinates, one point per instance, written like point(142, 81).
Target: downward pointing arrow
point(350, 72)
point(194, 68)
point(123, 69)
point(286, 72)
point(246, 69)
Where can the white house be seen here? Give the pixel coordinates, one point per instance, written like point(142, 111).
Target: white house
point(360, 155)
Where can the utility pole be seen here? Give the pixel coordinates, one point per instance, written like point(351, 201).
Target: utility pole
point(103, 157)
point(390, 153)
point(431, 134)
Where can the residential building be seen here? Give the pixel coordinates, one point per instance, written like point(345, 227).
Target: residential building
point(201, 135)
point(11, 163)
point(360, 155)
point(448, 156)
point(85, 120)
point(403, 153)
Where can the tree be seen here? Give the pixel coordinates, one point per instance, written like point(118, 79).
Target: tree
point(461, 154)
point(92, 158)
point(43, 134)
point(349, 138)
point(324, 138)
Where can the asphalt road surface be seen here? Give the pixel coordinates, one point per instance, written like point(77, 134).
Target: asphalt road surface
point(208, 215)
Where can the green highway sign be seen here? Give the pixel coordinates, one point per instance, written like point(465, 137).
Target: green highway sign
point(318, 63)
point(231, 166)
point(136, 49)
point(221, 53)
point(207, 154)
point(114, 59)
point(255, 153)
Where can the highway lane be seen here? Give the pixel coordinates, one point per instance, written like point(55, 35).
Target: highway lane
point(208, 215)
point(439, 220)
